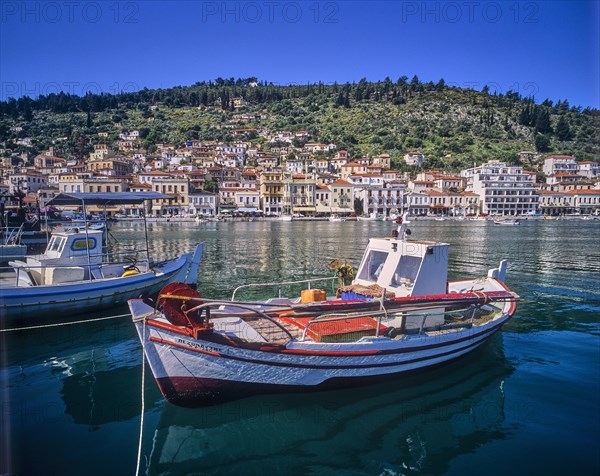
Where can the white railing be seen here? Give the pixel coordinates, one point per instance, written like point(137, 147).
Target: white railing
point(282, 283)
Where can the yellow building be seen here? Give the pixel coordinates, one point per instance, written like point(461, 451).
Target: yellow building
point(271, 192)
point(178, 189)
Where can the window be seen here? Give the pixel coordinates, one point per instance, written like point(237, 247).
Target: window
point(372, 265)
point(406, 271)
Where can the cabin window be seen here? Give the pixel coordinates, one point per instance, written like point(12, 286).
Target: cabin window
point(61, 245)
point(406, 271)
point(53, 245)
point(372, 265)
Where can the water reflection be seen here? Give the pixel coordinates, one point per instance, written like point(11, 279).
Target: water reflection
point(409, 425)
point(75, 391)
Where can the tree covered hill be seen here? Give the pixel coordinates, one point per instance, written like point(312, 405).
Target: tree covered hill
point(451, 126)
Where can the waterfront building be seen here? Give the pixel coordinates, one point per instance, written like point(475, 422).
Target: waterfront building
point(382, 199)
point(271, 191)
point(178, 191)
point(417, 203)
point(577, 201)
point(502, 189)
point(323, 199)
point(247, 200)
point(299, 194)
point(342, 196)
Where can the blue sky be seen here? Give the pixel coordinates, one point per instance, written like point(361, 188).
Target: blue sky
point(549, 49)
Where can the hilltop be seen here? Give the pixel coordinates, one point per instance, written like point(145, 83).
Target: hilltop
point(451, 126)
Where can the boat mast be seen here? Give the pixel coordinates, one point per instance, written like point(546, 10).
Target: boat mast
point(146, 232)
point(87, 239)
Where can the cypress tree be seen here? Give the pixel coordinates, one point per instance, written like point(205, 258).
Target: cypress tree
point(563, 131)
point(542, 121)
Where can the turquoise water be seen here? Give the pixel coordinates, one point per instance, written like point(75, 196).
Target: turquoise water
point(524, 403)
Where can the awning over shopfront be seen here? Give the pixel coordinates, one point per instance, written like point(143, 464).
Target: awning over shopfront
point(104, 199)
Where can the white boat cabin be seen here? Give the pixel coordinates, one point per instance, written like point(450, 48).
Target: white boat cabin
point(405, 268)
point(71, 255)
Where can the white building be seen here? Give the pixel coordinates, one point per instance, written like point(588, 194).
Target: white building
point(29, 182)
point(554, 164)
point(589, 169)
point(381, 199)
point(570, 202)
point(414, 158)
point(203, 203)
point(502, 189)
point(417, 203)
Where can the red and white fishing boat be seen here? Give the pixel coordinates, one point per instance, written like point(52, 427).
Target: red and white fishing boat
point(399, 314)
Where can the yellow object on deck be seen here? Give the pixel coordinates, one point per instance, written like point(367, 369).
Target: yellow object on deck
point(130, 272)
point(312, 295)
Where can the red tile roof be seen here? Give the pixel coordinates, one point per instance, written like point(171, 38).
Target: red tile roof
point(341, 182)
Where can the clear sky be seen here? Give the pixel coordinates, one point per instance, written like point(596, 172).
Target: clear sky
point(549, 49)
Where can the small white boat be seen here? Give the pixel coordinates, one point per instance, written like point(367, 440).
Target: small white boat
point(285, 218)
point(336, 218)
point(71, 276)
point(399, 314)
point(507, 222)
point(371, 217)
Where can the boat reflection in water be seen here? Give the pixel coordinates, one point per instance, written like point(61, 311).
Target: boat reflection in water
point(411, 425)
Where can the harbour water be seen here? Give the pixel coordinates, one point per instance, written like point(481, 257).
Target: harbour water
point(525, 403)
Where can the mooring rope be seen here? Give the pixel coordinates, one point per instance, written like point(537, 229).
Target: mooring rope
point(58, 324)
point(139, 457)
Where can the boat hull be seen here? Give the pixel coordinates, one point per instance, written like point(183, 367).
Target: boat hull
point(35, 303)
point(194, 372)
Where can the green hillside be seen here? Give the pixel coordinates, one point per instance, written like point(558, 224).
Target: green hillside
point(451, 126)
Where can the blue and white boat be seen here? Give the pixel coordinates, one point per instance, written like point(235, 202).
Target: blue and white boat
point(74, 277)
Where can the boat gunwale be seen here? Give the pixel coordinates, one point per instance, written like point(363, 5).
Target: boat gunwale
point(100, 284)
point(284, 349)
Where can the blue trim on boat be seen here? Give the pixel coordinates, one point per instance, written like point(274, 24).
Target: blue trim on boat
point(95, 284)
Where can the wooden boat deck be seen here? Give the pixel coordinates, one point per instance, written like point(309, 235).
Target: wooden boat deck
point(272, 333)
